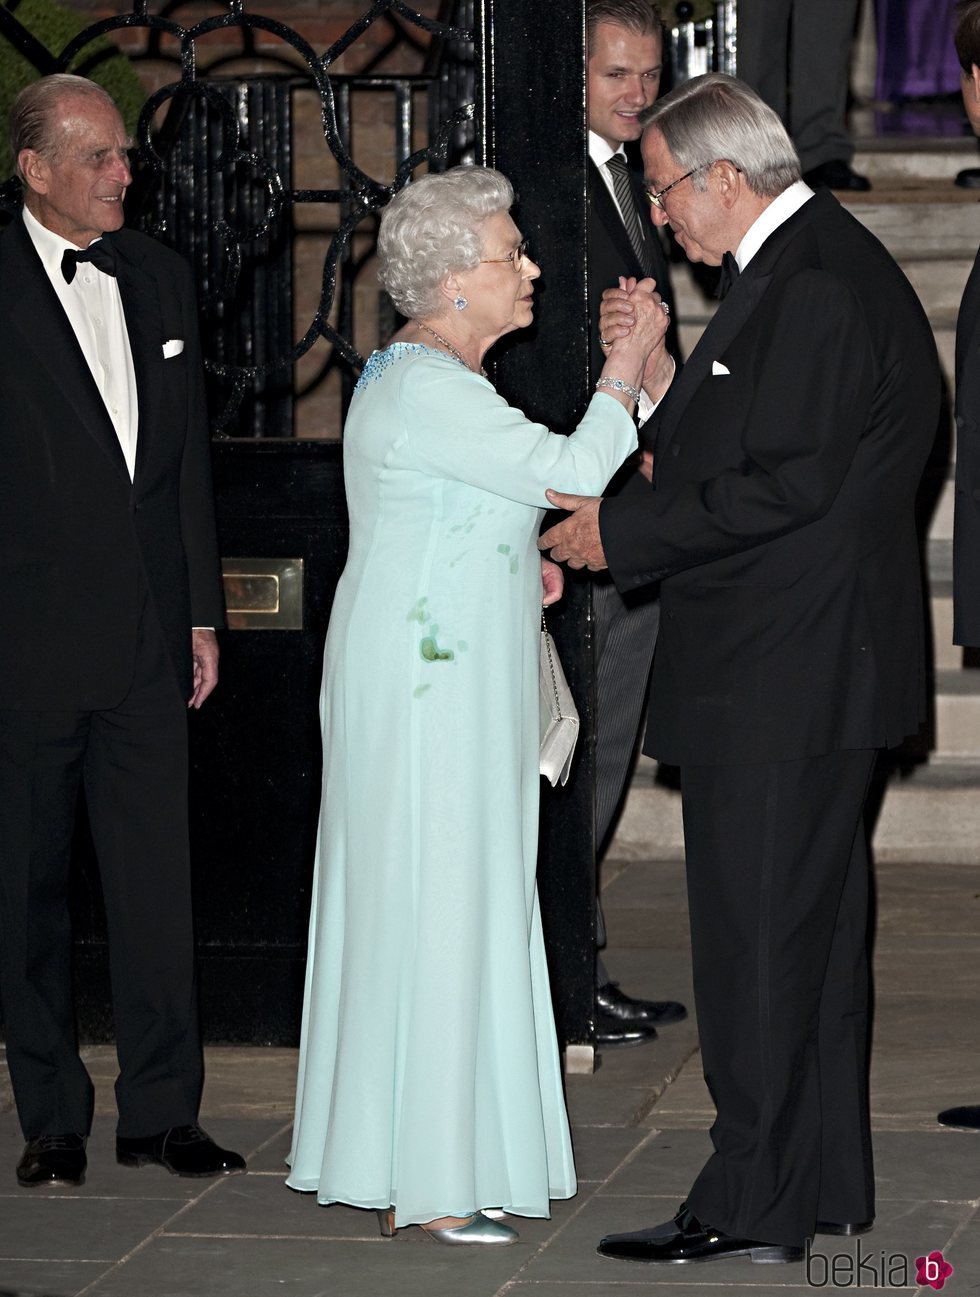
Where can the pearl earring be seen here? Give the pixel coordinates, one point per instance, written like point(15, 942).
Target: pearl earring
point(461, 303)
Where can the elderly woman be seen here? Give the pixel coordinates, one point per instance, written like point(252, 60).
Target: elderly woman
point(429, 1083)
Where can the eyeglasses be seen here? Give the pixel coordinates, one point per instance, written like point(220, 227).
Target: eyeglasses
point(657, 199)
point(516, 258)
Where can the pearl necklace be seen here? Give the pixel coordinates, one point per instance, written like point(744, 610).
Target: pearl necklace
point(445, 342)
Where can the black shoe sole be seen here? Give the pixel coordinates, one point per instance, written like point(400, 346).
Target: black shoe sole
point(769, 1254)
point(139, 1160)
point(619, 1042)
point(52, 1183)
point(844, 1231)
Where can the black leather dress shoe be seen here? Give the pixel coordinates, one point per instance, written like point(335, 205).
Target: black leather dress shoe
point(183, 1150)
point(687, 1241)
point(967, 1117)
point(968, 178)
point(837, 174)
point(613, 1033)
point(611, 1002)
point(52, 1159)
point(846, 1229)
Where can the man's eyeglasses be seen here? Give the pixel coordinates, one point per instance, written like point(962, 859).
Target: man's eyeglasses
point(516, 258)
point(656, 199)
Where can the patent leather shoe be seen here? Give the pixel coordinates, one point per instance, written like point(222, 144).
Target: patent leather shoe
point(52, 1159)
point(182, 1150)
point(836, 174)
point(966, 1118)
point(611, 1002)
point(846, 1229)
point(686, 1240)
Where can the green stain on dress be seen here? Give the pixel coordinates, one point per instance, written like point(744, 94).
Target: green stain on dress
point(514, 560)
point(422, 689)
point(419, 613)
point(430, 650)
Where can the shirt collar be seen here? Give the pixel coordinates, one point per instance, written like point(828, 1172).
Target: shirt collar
point(50, 247)
point(779, 210)
point(600, 151)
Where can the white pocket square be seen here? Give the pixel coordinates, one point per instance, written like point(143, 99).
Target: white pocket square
point(172, 347)
point(718, 368)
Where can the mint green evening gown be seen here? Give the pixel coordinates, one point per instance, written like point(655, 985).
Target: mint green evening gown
point(429, 1077)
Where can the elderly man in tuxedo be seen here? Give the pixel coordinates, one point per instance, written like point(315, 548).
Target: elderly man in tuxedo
point(966, 511)
point(109, 559)
point(625, 59)
point(781, 527)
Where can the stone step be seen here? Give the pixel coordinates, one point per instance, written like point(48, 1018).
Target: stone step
point(957, 715)
point(933, 813)
point(894, 160)
point(919, 220)
point(946, 656)
point(939, 283)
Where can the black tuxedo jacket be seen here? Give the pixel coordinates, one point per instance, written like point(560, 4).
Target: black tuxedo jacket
point(81, 546)
point(966, 518)
point(781, 521)
point(611, 254)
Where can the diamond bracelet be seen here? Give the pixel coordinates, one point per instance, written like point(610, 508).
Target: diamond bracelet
point(620, 385)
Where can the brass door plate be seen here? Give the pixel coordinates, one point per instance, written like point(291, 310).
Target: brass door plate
point(263, 593)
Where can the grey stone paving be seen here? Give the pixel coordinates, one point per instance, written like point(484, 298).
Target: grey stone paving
point(640, 1126)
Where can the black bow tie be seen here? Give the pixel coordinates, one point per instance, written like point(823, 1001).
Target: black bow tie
point(101, 254)
point(729, 273)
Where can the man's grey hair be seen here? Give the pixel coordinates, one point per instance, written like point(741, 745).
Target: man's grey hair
point(434, 226)
point(33, 116)
point(716, 118)
point(640, 17)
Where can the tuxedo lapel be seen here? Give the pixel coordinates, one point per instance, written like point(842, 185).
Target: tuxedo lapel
point(36, 314)
point(726, 324)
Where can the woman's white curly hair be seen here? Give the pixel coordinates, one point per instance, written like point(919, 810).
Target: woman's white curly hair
point(434, 226)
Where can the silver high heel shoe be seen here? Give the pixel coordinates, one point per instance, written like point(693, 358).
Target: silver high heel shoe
point(479, 1229)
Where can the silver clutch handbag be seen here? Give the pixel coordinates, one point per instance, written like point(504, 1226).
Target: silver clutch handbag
point(558, 713)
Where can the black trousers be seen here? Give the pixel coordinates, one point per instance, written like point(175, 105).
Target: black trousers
point(132, 759)
point(625, 638)
point(808, 46)
point(778, 886)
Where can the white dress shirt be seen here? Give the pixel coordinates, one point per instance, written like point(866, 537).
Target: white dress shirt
point(600, 152)
point(779, 210)
point(95, 312)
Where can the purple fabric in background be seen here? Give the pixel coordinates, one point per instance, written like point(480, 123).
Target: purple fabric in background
point(916, 57)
